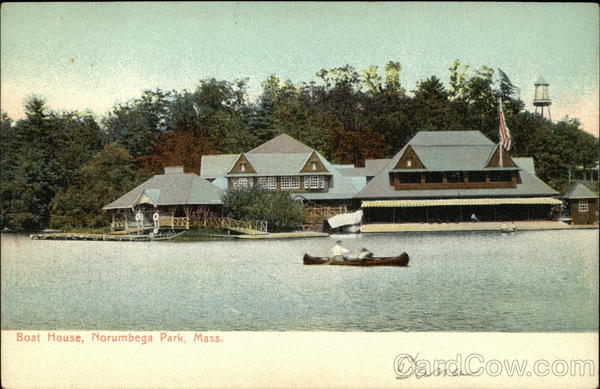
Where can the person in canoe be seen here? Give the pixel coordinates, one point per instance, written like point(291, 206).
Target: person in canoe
point(365, 254)
point(338, 251)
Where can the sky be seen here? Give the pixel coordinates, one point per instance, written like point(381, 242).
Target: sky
point(82, 56)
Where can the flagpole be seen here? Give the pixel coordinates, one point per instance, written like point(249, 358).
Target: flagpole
point(500, 118)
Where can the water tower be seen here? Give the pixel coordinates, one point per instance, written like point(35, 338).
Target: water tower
point(542, 97)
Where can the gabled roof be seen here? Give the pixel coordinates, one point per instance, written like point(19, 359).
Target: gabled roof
point(372, 167)
point(277, 164)
point(171, 189)
point(282, 156)
point(212, 166)
point(579, 190)
point(450, 138)
point(342, 188)
point(525, 163)
point(454, 157)
point(476, 159)
point(452, 150)
point(281, 144)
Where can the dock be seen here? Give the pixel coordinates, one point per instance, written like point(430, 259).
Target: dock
point(507, 226)
point(104, 237)
point(285, 235)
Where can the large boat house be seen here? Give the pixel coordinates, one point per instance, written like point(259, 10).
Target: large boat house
point(454, 176)
point(440, 176)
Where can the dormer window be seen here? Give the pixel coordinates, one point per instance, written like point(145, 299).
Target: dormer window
point(408, 162)
point(313, 166)
point(242, 167)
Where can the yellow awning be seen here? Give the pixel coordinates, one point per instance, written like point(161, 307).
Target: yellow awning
point(455, 202)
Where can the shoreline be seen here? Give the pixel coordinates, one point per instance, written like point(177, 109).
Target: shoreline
point(515, 226)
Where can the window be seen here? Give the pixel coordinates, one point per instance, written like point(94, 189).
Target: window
point(288, 183)
point(476, 176)
point(583, 206)
point(295, 182)
point(262, 182)
point(314, 182)
point(408, 162)
point(434, 178)
point(267, 183)
point(240, 182)
point(455, 177)
point(242, 167)
point(501, 176)
point(313, 166)
point(410, 178)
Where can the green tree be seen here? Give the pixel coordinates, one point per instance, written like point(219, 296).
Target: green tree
point(281, 212)
point(110, 174)
point(137, 124)
point(431, 106)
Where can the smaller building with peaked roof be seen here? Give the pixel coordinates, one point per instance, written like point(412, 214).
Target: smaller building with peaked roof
point(173, 193)
point(582, 202)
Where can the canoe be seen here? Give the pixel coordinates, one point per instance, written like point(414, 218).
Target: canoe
point(400, 260)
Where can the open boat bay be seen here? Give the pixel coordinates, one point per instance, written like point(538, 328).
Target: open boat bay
point(522, 282)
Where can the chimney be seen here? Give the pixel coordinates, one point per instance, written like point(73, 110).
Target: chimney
point(173, 169)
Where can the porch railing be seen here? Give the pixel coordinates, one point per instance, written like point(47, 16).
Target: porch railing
point(185, 222)
point(319, 214)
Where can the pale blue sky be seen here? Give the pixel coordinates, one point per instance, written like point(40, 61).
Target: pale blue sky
point(92, 55)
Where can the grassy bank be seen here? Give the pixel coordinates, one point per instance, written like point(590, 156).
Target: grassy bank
point(202, 234)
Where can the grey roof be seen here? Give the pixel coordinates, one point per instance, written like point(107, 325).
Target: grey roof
point(284, 155)
point(450, 138)
point(281, 144)
point(277, 164)
point(379, 186)
point(579, 190)
point(212, 166)
point(341, 189)
point(172, 189)
point(372, 167)
point(525, 163)
point(444, 158)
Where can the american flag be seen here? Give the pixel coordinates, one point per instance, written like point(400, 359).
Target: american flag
point(502, 128)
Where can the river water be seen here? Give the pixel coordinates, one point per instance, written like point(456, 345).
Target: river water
point(524, 281)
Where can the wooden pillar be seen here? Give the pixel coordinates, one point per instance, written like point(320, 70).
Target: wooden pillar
point(187, 210)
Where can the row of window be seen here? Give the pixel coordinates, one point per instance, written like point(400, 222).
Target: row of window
point(454, 177)
point(287, 182)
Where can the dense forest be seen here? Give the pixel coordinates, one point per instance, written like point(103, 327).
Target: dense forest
point(59, 168)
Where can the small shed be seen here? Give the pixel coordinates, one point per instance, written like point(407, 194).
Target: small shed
point(583, 202)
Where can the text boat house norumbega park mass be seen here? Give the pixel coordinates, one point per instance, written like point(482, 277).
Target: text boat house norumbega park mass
point(437, 177)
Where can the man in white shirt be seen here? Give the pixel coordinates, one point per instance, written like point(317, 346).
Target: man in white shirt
point(365, 254)
point(339, 252)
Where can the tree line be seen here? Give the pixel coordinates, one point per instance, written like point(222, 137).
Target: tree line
point(59, 168)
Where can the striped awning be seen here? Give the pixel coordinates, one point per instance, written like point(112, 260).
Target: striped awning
point(457, 202)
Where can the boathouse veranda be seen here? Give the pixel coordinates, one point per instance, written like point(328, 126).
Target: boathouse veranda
point(451, 211)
